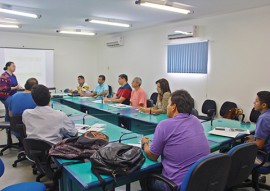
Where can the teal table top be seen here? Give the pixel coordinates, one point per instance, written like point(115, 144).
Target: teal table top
point(68, 110)
point(128, 111)
point(221, 122)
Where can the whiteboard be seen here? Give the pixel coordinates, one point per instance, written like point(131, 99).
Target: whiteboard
point(36, 63)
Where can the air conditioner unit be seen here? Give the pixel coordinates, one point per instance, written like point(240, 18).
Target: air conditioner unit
point(184, 32)
point(115, 42)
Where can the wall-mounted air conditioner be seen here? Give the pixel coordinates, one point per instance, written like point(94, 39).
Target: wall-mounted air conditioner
point(115, 42)
point(184, 32)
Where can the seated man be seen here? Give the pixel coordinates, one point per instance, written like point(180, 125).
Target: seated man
point(262, 131)
point(22, 100)
point(100, 91)
point(45, 123)
point(138, 95)
point(82, 86)
point(124, 92)
point(179, 140)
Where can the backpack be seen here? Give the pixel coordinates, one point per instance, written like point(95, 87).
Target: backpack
point(116, 159)
point(81, 147)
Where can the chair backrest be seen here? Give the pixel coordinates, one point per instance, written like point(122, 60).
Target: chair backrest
point(194, 112)
point(226, 106)
point(2, 167)
point(209, 105)
point(210, 173)
point(154, 97)
point(242, 162)
point(149, 103)
point(110, 92)
point(38, 151)
point(17, 125)
point(254, 115)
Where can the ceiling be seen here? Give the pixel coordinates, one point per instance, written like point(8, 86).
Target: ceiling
point(71, 14)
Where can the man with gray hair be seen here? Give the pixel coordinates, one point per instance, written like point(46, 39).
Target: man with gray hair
point(138, 95)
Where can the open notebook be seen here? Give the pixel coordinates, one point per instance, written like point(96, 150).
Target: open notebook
point(228, 132)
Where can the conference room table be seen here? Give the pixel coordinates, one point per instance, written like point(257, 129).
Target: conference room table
point(115, 113)
point(78, 177)
point(136, 121)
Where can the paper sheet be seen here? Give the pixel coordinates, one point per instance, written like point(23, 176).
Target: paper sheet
point(97, 101)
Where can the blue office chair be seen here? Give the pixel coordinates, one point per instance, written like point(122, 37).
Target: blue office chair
point(25, 186)
point(208, 173)
point(257, 183)
point(242, 162)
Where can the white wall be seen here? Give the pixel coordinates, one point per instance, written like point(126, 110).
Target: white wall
point(238, 63)
point(72, 56)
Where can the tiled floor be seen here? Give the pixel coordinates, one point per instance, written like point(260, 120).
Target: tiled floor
point(23, 172)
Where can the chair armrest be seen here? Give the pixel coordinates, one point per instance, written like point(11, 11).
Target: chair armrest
point(171, 184)
point(265, 157)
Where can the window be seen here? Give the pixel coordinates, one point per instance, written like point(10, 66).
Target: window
point(188, 58)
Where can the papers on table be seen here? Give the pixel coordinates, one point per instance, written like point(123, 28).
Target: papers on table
point(228, 132)
point(119, 105)
point(82, 128)
point(97, 101)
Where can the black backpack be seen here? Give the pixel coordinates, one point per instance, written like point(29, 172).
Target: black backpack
point(116, 159)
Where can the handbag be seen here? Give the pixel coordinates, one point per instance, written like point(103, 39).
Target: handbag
point(81, 147)
point(116, 159)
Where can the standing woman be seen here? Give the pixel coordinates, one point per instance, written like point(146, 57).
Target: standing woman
point(8, 85)
point(164, 93)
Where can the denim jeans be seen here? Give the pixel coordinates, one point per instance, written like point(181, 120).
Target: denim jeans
point(157, 185)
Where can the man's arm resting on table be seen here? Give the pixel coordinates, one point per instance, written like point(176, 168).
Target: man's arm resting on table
point(146, 148)
point(119, 100)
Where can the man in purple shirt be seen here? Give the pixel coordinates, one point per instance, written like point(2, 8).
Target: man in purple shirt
point(179, 140)
point(262, 131)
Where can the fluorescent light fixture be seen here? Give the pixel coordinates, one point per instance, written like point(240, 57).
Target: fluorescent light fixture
point(9, 26)
point(103, 22)
point(76, 32)
point(8, 11)
point(183, 32)
point(163, 5)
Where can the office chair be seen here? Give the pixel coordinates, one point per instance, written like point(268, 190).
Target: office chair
point(154, 97)
point(254, 115)
point(149, 103)
point(25, 186)
point(110, 92)
point(194, 112)
point(10, 144)
point(207, 174)
point(17, 126)
point(226, 107)
point(242, 162)
point(38, 151)
point(209, 108)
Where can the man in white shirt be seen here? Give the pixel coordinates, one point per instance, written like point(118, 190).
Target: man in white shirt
point(45, 123)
